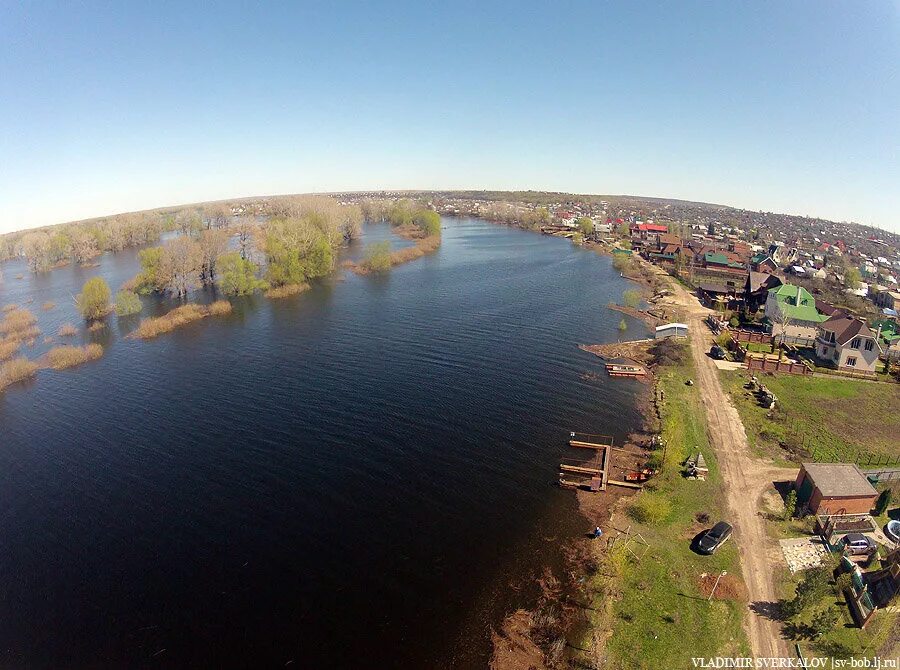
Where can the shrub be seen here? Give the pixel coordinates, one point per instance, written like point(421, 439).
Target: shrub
point(219, 308)
point(19, 323)
point(127, 303)
point(378, 257)
point(68, 330)
point(93, 301)
point(16, 370)
point(286, 290)
point(68, 356)
point(650, 508)
point(47, 306)
point(632, 298)
point(8, 348)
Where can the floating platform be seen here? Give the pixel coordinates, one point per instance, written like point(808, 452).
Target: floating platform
point(625, 367)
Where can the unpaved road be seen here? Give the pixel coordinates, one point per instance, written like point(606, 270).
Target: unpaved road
point(746, 479)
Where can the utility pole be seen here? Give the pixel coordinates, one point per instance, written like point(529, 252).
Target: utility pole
point(711, 593)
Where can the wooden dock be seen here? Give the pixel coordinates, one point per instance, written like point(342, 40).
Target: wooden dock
point(580, 469)
point(595, 471)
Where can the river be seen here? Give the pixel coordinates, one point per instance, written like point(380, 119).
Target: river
point(359, 476)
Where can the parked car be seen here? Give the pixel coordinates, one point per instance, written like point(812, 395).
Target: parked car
point(857, 544)
point(717, 352)
point(715, 537)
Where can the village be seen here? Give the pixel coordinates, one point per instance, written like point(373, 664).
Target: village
point(793, 326)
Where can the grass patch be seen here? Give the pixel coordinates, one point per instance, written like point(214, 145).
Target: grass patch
point(67, 356)
point(286, 290)
point(178, 317)
point(68, 330)
point(47, 306)
point(819, 418)
point(422, 247)
point(659, 602)
point(16, 370)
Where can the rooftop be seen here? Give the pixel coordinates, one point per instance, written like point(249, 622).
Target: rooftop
point(836, 480)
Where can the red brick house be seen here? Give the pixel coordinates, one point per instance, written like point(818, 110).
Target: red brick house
point(834, 488)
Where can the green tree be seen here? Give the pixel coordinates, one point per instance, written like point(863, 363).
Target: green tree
point(585, 225)
point(237, 276)
point(814, 586)
point(852, 277)
point(127, 302)
point(93, 301)
point(881, 505)
point(149, 279)
point(378, 257)
point(824, 621)
point(623, 326)
point(790, 505)
point(428, 221)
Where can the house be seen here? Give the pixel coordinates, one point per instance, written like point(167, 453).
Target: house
point(762, 262)
point(888, 298)
point(719, 296)
point(889, 334)
point(848, 343)
point(792, 314)
point(757, 287)
point(834, 488)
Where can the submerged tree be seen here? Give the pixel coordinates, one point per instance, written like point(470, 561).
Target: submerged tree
point(93, 301)
point(127, 303)
point(378, 257)
point(237, 276)
point(180, 264)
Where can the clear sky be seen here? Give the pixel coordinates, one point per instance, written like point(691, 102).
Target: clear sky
point(782, 106)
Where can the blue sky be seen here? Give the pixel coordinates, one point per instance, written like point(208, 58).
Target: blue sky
point(108, 107)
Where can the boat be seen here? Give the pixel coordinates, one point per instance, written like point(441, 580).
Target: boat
point(892, 530)
point(624, 367)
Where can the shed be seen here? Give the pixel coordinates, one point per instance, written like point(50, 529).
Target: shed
point(671, 330)
point(834, 488)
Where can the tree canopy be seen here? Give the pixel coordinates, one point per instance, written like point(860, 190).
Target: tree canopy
point(93, 301)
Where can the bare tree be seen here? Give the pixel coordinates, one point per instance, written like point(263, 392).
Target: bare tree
point(180, 265)
point(36, 247)
point(84, 246)
point(213, 243)
point(246, 230)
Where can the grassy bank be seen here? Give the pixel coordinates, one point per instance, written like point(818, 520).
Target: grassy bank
point(656, 606)
point(820, 418)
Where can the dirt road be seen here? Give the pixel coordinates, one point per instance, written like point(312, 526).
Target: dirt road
point(746, 479)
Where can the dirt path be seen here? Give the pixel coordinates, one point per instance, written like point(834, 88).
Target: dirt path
point(746, 479)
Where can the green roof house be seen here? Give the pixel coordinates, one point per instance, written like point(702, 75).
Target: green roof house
point(792, 315)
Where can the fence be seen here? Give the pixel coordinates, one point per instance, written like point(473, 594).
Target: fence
point(869, 463)
point(752, 336)
point(769, 365)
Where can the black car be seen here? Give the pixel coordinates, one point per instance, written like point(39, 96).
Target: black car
point(714, 538)
point(717, 352)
